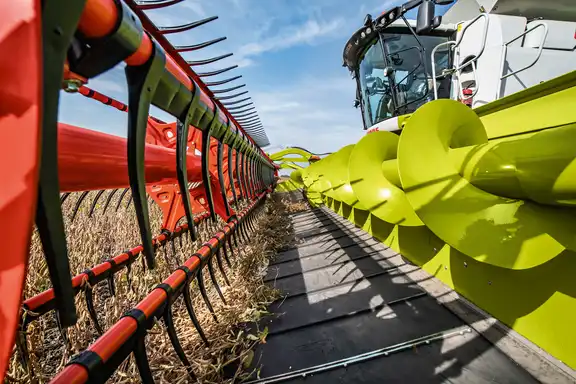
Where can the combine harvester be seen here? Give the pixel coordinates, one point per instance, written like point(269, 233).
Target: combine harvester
point(468, 169)
point(478, 52)
point(449, 256)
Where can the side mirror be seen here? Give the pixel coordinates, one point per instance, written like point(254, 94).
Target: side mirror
point(425, 18)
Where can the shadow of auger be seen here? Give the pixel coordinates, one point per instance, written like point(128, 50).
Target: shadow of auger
point(411, 299)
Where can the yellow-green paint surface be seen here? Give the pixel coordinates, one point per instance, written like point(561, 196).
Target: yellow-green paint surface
point(494, 220)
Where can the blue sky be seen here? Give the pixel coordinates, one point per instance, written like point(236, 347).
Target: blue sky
point(290, 56)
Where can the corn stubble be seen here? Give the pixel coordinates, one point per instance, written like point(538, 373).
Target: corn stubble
point(104, 235)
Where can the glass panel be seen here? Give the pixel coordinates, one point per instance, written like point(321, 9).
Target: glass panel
point(413, 76)
point(375, 88)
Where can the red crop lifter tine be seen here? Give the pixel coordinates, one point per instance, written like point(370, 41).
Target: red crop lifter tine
point(59, 21)
point(20, 102)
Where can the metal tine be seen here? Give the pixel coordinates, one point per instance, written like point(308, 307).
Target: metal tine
point(237, 101)
point(250, 123)
point(238, 177)
point(195, 47)
point(231, 173)
point(62, 330)
point(231, 96)
point(165, 254)
point(56, 34)
point(111, 284)
point(174, 249)
point(242, 232)
point(93, 206)
point(205, 162)
point(142, 362)
point(240, 106)
point(169, 322)
point(182, 128)
point(249, 224)
point(78, 204)
point(225, 252)
point(109, 199)
point(236, 240)
point(143, 265)
point(124, 192)
point(249, 119)
point(63, 197)
point(226, 90)
point(142, 83)
point(204, 294)
point(211, 60)
point(129, 276)
point(192, 314)
point(155, 4)
point(185, 27)
point(246, 114)
point(129, 202)
point(213, 278)
point(244, 111)
point(217, 72)
point(89, 293)
point(222, 82)
point(230, 244)
point(257, 130)
point(22, 347)
point(248, 127)
point(244, 176)
point(221, 266)
point(220, 166)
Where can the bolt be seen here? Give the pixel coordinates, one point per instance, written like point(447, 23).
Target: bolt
point(489, 282)
point(72, 85)
point(465, 265)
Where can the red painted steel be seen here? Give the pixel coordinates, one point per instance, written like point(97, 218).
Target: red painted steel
point(178, 60)
point(88, 160)
point(20, 115)
point(83, 152)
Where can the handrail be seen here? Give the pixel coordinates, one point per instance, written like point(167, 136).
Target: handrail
point(484, 37)
point(505, 51)
point(457, 68)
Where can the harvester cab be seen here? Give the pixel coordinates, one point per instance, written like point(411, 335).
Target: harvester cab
point(478, 52)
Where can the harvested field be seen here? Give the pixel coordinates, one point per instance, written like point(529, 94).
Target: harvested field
point(92, 240)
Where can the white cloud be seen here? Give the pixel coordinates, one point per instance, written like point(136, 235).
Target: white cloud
point(307, 33)
point(196, 7)
point(311, 113)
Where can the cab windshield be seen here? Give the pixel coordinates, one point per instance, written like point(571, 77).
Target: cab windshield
point(395, 74)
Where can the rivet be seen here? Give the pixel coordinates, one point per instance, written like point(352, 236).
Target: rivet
point(465, 264)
